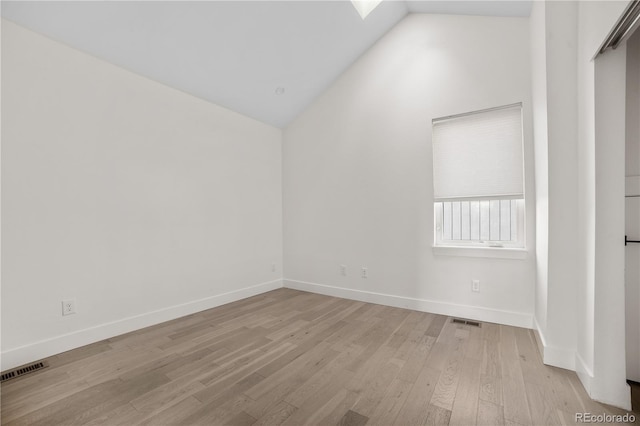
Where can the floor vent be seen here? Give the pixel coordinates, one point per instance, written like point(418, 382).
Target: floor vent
point(12, 374)
point(467, 322)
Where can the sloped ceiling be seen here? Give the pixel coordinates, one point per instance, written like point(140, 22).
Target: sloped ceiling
point(265, 59)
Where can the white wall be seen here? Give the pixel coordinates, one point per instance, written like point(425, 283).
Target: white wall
point(358, 177)
point(554, 33)
point(537, 24)
point(600, 346)
point(632, 147)
point(561, 21)
point(140, 201)
point(632, 208)
point(587, 24)
point(609, 336)
point(579, 157)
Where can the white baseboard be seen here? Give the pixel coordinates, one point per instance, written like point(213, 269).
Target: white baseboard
point(553, 355)
point(618, 396)
point(559, 357)
point(55, 345)
point(584, 373)
point(471, 312)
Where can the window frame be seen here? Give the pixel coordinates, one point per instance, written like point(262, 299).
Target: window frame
point(483, 248)
point(439, 241)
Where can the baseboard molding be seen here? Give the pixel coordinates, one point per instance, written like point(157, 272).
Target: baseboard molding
point(536, 334)
point(46, 348)
point(553, 355)
point(584, 373)
point(471, 312)
point(619, 397)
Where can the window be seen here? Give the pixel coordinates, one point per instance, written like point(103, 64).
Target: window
point(478, 178)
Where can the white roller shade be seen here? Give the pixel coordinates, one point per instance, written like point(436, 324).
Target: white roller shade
point(479, 155)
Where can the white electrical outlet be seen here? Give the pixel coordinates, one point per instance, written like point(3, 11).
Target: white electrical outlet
point(475, 285)
point(343, 270)
point(273, 267)
point(68, 306)
point(365, 272)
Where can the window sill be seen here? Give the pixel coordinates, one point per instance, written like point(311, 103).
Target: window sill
point(490, 252)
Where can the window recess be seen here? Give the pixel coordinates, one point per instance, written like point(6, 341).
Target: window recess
point(478, 177)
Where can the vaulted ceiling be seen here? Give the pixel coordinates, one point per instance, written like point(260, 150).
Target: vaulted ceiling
point(264, 59)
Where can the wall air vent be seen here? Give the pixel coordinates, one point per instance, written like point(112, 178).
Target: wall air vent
point(21, 371)
point(464, 321)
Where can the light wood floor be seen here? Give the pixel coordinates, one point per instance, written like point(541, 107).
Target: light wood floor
point(289, 357)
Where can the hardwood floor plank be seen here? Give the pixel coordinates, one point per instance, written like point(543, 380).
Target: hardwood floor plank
point(401, 334)
point(489, 414)
point(322, 377)
point(439, 355)
point(341, 403)
point(475, 344)
point(222, 409)
point(325, 400)
point(287, 381)
point(290, 357)
point(303, 366)
point(437, 416)
point(277, 415)
point(436, 325)
point(416, 359)
point(347, 335)
point(166, 394)
point(414, 411)
point(287, 329)
point(196, 366)
point(217, 395)
point(259, 407)
point(85, 405)
point(465, 404)
point(351, 418)
point(542, 409)
point(491, 361)
point(233, 372)
point(173, 415)
point(18, 404)
point(392, 402)
point(516, 408)
point(444, 393)
point(241, 419)
point(491, 389)
point(124, 415)
point(371, 388)
point(79, 354)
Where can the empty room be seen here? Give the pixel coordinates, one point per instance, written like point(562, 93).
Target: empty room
point(378, 212)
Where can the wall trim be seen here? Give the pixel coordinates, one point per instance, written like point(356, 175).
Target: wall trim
point(584, 373)
point(619, 396)
point(517, 319)
point(58, 344)
point(553, 355)
point(538, 336)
